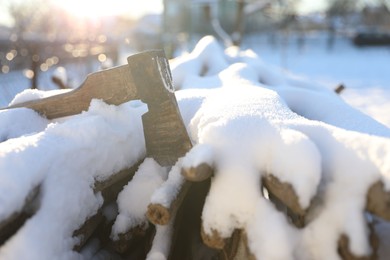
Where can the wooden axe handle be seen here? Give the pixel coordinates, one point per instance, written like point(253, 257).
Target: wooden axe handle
point(114, 86)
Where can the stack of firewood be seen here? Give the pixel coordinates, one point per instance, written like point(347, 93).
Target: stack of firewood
point(188, 239)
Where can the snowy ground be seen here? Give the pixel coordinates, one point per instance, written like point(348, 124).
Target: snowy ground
point(364, 71)
point(246, 118)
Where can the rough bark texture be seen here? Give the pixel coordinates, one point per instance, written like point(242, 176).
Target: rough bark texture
point(11, 225)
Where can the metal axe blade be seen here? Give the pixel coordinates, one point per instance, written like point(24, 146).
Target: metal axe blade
point(165, 134)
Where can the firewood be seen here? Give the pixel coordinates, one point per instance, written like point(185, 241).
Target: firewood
point(9, 226)
point(101, 185)
point(378, 201)
point(161, 215)
point(213, 240)
point(346, 254)
point(110, 189)
point(186, 238)
point(284, 193)
point(234, 247)
point(199, 173)
point(86, 230)
point(237, 247)
point(280, 192)
point(130, 239)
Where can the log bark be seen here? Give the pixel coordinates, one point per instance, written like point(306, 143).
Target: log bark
point(87, 229)
point(111, 187)
point(11, 225)
point(213, 240)
point(346, 254)
point(237, 247)
point(186, 239)
point(128, 240)
point(283, 193)
point(232, 248)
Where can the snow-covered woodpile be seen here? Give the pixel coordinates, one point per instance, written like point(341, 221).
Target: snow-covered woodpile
point(280, 168)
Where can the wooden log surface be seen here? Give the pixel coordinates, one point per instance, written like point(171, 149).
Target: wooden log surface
point(11, 225)
point(284, 192)
point(346, 254)
point(86, 230)
point(378, 201)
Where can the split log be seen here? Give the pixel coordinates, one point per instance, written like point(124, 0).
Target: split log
point(161, 215)
point(232, 248)
point(282, 193)
point(237, 247)
point(186, 238)
point(110, 189)
point(11, 225)
point(87, 229)
point(127, 240)
point(213, 240)
point(346, 254)
point(378, 201)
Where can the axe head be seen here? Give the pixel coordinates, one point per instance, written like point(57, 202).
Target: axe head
point(146, 77)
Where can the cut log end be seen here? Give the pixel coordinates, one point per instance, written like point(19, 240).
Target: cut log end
point(158, 214)
point(285, 193)
point(124, 241)
point(378, 201)
point(198, 173)
point(213, 240)
point(345, 252)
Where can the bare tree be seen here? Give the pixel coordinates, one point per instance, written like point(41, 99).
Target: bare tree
point(34, 24)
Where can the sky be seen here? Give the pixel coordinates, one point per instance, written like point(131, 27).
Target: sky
point(132, 8)
point(95, 8)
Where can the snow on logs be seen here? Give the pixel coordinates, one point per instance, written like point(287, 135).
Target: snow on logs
point(166, 209)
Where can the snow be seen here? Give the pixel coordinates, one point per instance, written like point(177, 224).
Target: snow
point(246, 118)
point(135, 197)
point(84, 148)
point(167, 192)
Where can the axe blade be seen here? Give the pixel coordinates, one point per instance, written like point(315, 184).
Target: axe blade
point(165, 134)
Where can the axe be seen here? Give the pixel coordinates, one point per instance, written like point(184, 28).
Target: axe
point(146, 77)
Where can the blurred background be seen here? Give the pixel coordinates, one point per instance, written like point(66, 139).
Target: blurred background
point(50, 44)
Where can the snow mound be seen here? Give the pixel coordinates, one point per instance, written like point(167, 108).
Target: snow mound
point(247, 120)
